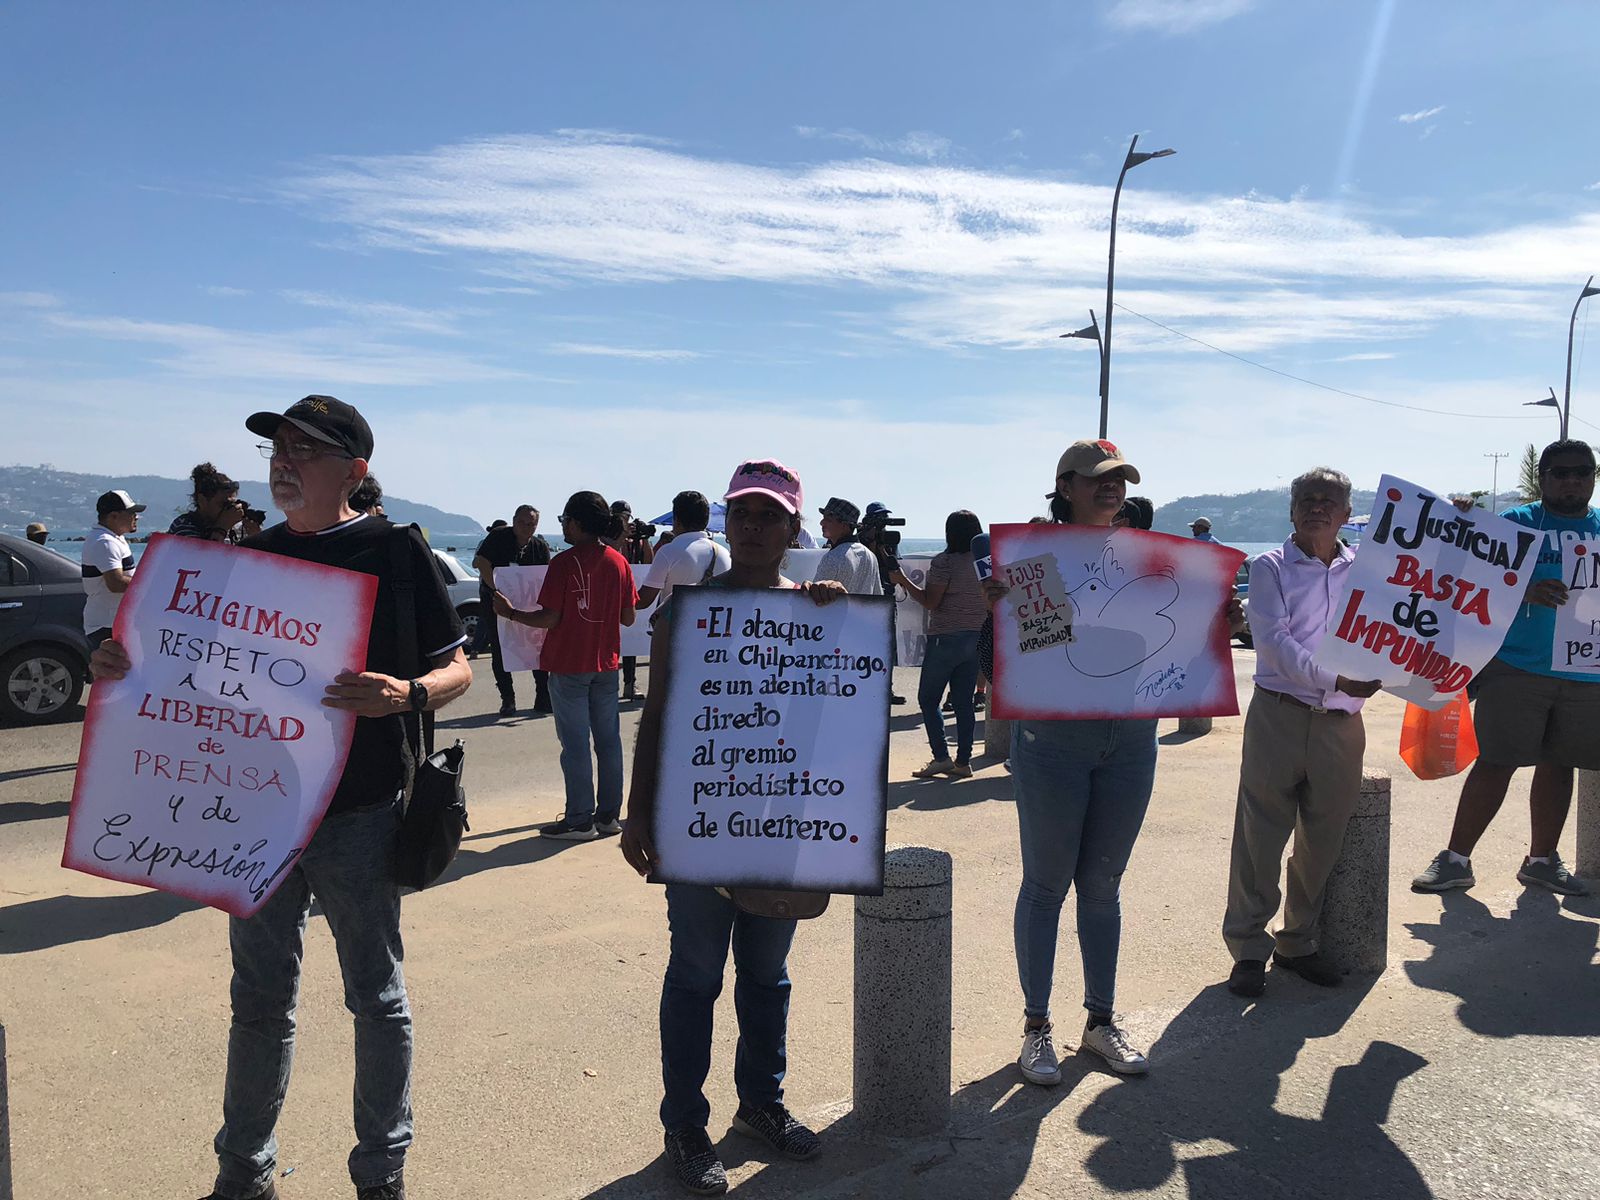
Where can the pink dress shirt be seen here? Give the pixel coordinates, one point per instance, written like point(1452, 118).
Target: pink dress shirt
point(1292, 598)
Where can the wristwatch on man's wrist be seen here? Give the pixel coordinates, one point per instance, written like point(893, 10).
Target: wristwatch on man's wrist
point(419, 696)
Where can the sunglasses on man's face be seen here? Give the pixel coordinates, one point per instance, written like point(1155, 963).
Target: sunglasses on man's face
point(1570, 472)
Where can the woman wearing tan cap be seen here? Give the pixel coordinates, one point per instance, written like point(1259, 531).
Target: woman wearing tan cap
point(1082, 787)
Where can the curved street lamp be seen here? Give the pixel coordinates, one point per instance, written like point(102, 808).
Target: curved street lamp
point(1566, 409)
point(1135, 157)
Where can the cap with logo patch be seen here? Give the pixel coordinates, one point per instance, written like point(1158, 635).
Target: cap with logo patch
point(768, 477)
point(323, 419)
point(1094, 459)
point(115, 501)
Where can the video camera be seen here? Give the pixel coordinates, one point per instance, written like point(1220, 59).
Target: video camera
point(874, 529)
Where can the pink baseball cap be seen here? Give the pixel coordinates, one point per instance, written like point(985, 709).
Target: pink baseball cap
point(769, 477)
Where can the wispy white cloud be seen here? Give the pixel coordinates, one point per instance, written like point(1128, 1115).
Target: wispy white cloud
point(304, 356)
point(1412, 118)
point(379, 313)
point(1368, 356)
point(501, 291)
point(962, 255)
point(29, 300)
point(1593, 187)
point(222, 290)
point(1174, 16)
point(600, 351)
point(916, 144)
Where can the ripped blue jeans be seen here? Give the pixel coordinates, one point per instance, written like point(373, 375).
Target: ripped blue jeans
point(1082, 789)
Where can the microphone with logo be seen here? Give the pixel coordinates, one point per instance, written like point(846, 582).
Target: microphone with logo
point(982, 559)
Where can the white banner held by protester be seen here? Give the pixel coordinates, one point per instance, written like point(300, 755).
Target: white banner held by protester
point(1102, 623)
point(520, 644)
point(1577, 638)
point(1430, 596)
point(773, 768)
point(207, 769)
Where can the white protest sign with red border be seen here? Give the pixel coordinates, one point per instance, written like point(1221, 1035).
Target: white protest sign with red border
point(1430, 596)
point(208, 768)
point(1103, 623)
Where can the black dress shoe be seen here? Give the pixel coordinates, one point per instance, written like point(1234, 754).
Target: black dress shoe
point(1313, 968)
point(1248, 978)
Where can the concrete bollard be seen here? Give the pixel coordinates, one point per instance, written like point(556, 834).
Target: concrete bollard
point(5, 1124)
point(1355, 908)
point(996, 736)
point(1589, 824)
point(902, 1002)
point(1194, 725)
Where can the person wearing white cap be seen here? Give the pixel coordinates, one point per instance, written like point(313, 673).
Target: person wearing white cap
point(108, 562)
point(1200, 527)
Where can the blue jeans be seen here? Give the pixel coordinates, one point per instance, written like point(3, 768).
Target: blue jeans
point(1082, 789)
point(950, 660)
point(703, 921)
point(349, 866)
point(586, 706)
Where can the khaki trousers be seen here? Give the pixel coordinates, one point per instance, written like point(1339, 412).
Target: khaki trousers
point(1301, 774)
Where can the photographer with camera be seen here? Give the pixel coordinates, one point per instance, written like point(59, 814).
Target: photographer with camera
point(216, 513)
point(631, 539)
point(884, 543)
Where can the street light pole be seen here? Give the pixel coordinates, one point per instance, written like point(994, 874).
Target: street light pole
point(1566, 409)
point(1494, 482)
point(1133, 159)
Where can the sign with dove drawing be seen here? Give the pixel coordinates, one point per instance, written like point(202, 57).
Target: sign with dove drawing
point(1103, 623)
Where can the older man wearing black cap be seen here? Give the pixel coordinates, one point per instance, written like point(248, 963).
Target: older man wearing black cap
point(319, 451)
point(108, 562)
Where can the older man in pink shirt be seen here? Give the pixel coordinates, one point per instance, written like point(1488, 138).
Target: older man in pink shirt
point(1303, 745)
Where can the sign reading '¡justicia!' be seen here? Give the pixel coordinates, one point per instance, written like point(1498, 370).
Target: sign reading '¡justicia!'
point(207, 769)
point(773, 768)
point(1430, 596)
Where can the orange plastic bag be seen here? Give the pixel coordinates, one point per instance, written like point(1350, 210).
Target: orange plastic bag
point(1439, 743)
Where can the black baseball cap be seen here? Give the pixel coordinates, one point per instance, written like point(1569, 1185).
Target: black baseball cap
point(116, 501)
point(323, 418)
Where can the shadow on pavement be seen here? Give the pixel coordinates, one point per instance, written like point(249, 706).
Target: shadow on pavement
point(34, 772)
point(1529, 974)
point(1215, 1079)
point(512, 854)
point(489, 720)
point(63, 920)
point(994, 1126)
point(27, 810)
point(1179, 739)
point(932, 795)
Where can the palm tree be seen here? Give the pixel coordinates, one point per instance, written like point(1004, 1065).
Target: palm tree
point(1528, 475)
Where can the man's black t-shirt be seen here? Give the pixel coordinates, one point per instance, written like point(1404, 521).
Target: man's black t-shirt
point(375, 770)
point(500, 549)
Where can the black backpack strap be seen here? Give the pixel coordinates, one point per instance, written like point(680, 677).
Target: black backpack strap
point(404, 585)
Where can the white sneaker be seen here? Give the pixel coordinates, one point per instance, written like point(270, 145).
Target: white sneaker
point(1111, 1044)
point(1038, 1060)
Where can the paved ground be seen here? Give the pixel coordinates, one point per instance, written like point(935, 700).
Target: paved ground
point(1466, 1070)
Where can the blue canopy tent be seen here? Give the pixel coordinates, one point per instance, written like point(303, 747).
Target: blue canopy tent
point(719, 514)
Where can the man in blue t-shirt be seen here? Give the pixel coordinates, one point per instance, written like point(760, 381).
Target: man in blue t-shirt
point(1528, 713)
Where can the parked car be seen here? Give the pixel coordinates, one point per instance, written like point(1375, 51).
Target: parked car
point(462, 585)
point(1241, 585)
point(44, 655)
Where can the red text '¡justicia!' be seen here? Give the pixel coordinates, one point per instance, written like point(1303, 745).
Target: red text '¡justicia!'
point(232, 614)
point(221, 718)
point(1415, 656)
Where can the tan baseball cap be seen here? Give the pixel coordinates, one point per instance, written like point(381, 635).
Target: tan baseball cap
point(1095, 458)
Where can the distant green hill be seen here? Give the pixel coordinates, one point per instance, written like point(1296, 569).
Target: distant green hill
point(64, 500)
point(1261, 516)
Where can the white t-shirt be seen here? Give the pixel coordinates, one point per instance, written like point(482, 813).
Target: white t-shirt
point(685, 559)
point(102, 551)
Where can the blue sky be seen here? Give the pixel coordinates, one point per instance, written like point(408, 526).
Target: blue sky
point(621, 246)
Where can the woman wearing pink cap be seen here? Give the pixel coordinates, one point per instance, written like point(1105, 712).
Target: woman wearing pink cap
point(764, 504)
point(1082, 788)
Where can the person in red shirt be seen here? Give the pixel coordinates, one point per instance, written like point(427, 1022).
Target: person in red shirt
point(587, 597)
